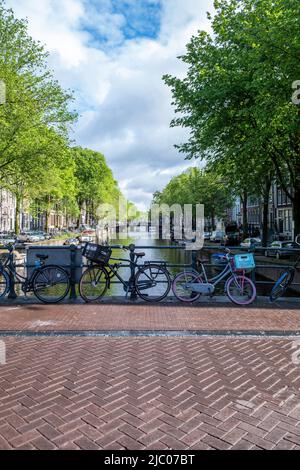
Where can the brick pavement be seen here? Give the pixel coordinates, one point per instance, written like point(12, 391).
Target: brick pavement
point(142, 316)
point(149, 393)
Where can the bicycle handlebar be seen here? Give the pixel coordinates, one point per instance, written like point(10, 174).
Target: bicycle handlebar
point(125, 247)
point(10, 247)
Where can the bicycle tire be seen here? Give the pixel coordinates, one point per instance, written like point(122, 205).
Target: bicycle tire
point(183, 276)
point(48, 277)
point(282, 284)
point(154, 270)
point(89, 282)
point(4, 284)
point(239, 283)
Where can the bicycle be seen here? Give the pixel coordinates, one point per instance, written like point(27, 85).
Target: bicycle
point(49, 283)
point(150, 281)
point(284, 281)
point(188, 286)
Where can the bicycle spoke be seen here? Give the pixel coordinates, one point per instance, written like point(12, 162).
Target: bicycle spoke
point(153, 283)
point(93, 284)
point(241, 290)
point(51, 284)
point(180, 288)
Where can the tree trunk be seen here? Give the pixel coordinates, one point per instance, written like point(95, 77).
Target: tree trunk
point(47, 220)
point(17, 214)
point(266, 198)
point(47, 214)
point(213, 221)
point(244, 199)
point(296, 212)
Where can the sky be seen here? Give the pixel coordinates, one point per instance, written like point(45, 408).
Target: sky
point(113, 54)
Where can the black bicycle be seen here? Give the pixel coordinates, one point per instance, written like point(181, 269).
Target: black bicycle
point(284, 282)
point(150, 281)
point(49, 283)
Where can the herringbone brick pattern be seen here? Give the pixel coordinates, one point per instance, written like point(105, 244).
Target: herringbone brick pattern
point(149, 317)
point(149, 393)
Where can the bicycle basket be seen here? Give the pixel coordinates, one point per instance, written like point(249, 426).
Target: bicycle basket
point(97, 253)
point(244, 262)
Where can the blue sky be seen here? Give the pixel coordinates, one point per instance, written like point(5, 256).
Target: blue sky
point(135, 19)
point(113, 54)
point(142, 17)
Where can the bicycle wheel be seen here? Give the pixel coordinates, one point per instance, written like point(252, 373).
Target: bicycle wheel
point(282, 284)
point(179, 286)
point(240, 290)
point(152, 283)
point(4, 284)
point(93, 283)
point(51, 284)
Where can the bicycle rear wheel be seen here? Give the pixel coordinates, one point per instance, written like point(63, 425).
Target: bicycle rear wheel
point(152, 283)
point(93, 283)
point(51, 284)
point(179, 286)
point(282, 284)
point(4, 284)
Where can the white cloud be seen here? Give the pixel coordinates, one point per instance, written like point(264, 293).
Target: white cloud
point(125, 106)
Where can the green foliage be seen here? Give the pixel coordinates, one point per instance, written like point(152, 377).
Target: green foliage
point(236, 96)
point(36, 162)
point(95, 183)
point(196, 186)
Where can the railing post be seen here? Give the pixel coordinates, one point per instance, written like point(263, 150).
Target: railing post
point(253, 275)
point(133, 294)
point(12, 293)
point(73, 294)
point(194, 260)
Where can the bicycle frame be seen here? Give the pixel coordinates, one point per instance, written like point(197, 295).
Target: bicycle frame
point(112, 271)
point(6, 266)
point(217, 279)
point(10, 268)
point(227, 272)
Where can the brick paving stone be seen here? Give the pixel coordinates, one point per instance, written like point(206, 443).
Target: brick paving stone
point(199, 405)
point(86, 444)
point(208, 315)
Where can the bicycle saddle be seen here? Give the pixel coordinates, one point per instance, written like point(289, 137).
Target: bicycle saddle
point(140, 255)
point(42, 257)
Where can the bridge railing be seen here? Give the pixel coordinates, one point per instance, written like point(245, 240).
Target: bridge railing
point(73, 261)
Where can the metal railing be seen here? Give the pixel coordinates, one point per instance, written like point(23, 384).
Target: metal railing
point(72, 267)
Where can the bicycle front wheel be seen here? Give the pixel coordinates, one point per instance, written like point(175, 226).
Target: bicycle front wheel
point(181, 289)
point(153, 283)
point(282, 284)
point(4, 284)
point(93, 284)
point(51, 284)
point(241, 290)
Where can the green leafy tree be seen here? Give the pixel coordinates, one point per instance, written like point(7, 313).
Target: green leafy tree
point(95, 183)
point(196, 186)
point(236, 96)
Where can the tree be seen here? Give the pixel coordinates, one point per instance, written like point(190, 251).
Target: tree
point(35, 102)
point(236, 97)
point(95, 183)
point(47, 178)
point(196, 186)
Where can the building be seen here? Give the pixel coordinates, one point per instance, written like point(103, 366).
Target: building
point(282, 213)
point(280, 217)
point(7, 211)
point(57, 220)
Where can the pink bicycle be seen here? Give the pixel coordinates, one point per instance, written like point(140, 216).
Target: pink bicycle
point(188, 286)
